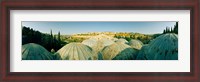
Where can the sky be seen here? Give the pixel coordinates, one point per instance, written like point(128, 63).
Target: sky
point(84, 27)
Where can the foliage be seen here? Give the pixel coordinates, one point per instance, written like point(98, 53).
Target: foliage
point(48, 41)
point(144, 38)
point(74, 39)
point(176, 28)
point(171, 30)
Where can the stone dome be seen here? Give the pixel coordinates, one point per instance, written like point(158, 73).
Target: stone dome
point(32, 51)
point(135, 44)
point(75, 51)
point(121, 40)
point(164, 47)
point(89, 42)
point(114, 39)
point(97, 43)
point(142, 53)
point(119, 51)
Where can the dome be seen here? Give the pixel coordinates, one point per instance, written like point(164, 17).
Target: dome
point(97, 43)
point(103, 39)
point(142, 53)
point(121, 40)
point(32, 51)
point(56, 57)
point(119, 51)
point(114, 39)
point(105, 42)
point(136, 44)
point(164, 47)
point(89, 42)
point(75, 51)
point(100, 44)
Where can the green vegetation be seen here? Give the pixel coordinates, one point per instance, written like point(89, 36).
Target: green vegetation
point(144, 38)
point(172, 30)
point(46, 40)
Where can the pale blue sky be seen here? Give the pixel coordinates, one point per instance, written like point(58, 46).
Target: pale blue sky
point(84, 27)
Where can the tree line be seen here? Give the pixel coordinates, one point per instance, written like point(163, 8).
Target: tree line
point(144, 38)
point(171, 30)
point(49, 41)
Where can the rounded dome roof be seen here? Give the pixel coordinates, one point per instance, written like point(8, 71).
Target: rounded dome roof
point(164, 47)
point(98, 47)
point(97, 43)
point(105, 42)
point(89, 42)
point(142, 53)
point(119, 51)
point(32, 51)
point(75, 51)
point(103, 39)
point(135, 44)
point(114, 39)
point(121, 40)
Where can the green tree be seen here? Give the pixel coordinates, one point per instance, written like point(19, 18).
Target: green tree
point(176, 28)
point(59, 37)
point(51, 39)
point(46, 40)
point(164, 31)
point(172, 29)
point(127, 38)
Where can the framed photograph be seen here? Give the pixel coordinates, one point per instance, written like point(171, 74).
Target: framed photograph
point(100, 40)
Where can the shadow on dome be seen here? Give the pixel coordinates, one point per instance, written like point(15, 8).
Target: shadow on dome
point(126, 54)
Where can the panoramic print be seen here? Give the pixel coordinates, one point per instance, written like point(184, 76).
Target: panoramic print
point(60, 40)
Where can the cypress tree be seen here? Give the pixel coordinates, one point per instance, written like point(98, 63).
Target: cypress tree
point(59, 40)
point(59, 37)
point(171, 30)
point(167, 30)
point(164, 31)
point(176, 28)
point(51, 39)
